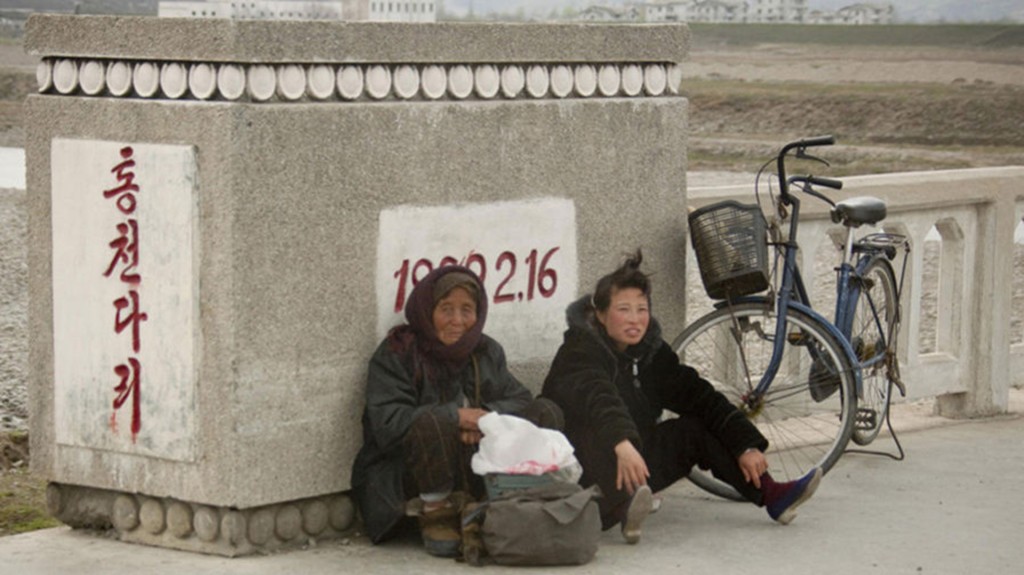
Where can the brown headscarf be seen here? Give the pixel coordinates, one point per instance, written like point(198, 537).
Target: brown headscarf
point(419, 313)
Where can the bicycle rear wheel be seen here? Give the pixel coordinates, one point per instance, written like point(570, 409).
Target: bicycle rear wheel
point(807, 413)
point(873, 319)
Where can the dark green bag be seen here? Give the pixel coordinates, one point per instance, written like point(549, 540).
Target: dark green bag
point(553, 524)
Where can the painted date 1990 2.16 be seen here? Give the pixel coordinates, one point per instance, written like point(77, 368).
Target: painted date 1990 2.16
point(541, 279)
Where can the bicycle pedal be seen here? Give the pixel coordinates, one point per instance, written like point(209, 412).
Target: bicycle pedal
point(866, 419)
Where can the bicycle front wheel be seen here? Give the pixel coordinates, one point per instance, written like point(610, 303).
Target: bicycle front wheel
point(873, 320)
point(808, 411)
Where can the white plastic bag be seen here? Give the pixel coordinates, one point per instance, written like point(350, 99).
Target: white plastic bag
point(515, 446)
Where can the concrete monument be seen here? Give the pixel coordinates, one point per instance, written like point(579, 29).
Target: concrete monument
point(227, 216)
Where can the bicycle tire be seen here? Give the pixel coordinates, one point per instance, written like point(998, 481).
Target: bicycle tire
point(877, 299)
point(805, 427)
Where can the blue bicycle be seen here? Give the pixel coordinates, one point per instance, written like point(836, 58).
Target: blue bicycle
point(809, 384)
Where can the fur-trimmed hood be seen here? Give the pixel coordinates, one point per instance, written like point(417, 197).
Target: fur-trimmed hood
point(581, 319)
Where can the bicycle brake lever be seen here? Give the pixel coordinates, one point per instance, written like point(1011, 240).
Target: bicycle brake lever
point(803, 155)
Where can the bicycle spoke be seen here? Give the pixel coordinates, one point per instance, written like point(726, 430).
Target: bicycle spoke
point(731, 350)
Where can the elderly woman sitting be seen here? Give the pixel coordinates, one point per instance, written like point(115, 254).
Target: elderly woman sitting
point(429, 382)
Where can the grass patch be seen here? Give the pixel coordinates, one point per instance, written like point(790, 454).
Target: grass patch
point(854, 154)
point(23, 503)
point(739, 88)
point(910, 35)
point(976, 116)
point(22, 493)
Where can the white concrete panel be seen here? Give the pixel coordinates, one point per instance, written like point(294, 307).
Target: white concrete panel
point(125, 296)
point(524, 250)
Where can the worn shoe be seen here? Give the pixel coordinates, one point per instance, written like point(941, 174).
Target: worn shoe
point(782, 499)
point(640, 505)
point(440, 530)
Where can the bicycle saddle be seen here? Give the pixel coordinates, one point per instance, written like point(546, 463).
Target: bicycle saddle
point(857, 211)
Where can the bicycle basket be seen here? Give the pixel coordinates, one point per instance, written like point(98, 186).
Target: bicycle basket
point(730, 240)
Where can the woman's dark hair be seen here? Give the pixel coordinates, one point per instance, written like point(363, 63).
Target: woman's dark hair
point(628, 275)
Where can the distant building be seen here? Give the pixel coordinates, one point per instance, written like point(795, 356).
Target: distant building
point(866, 14)
point(11, 28)
point(724, 11)
point(666, 11)
point(393, 11)
point(776, 11)
point(412, 11)
point(718, 11)
point(609, 14)
point(120, 7)
point(758, 11)
point(820, 17)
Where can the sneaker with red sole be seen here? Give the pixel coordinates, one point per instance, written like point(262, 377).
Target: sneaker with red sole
point(782, 499)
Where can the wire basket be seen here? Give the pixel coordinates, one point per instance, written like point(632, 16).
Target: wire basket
point(730, 240)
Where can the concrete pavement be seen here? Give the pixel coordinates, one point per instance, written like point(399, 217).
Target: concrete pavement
point(953, 506)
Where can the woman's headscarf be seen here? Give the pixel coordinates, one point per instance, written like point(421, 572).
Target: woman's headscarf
point(419, 313)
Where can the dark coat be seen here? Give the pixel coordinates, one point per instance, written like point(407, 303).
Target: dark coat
point(608, 396)
point(394, 400)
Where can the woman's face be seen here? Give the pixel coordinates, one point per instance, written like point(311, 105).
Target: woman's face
point(626, 318)
point(454, 315)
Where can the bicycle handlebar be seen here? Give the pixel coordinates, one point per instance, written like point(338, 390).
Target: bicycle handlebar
point(811, 181)
point(800, 146)
point(816, 141)
point(818, 181)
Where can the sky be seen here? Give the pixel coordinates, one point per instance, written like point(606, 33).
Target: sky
point(906, 10)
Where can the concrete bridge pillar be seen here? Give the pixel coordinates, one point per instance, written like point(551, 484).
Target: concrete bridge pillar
point(226, 217)
point(987, 352)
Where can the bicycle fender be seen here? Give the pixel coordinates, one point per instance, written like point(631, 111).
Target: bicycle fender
point(843, 342)
point(746, 299)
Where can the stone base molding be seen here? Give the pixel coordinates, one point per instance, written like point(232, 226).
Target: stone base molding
point(226, 531)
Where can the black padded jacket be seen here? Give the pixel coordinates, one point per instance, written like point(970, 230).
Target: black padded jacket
point(610, 396)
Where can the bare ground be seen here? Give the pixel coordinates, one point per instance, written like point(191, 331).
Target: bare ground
point(893, 108)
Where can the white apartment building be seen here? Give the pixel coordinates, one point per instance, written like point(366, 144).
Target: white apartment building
point(667, 11)
point(776, 11)
point(406, 11)
point(725, 11)
point(718, 11)
point(388, 11)
point(866, 14)
point(610, 14)
point(251, 9)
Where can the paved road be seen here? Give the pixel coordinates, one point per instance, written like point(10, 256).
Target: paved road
point(954, 506)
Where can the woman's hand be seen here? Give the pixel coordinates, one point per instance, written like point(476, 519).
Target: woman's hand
point(753, 464)
point(469, 418)
point(470, 437)
point(469, 428)
point(632, 469)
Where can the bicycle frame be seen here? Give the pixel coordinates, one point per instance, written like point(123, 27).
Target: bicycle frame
point(793, 294)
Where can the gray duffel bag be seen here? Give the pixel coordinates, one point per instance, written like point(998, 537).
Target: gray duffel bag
point(554, 524)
